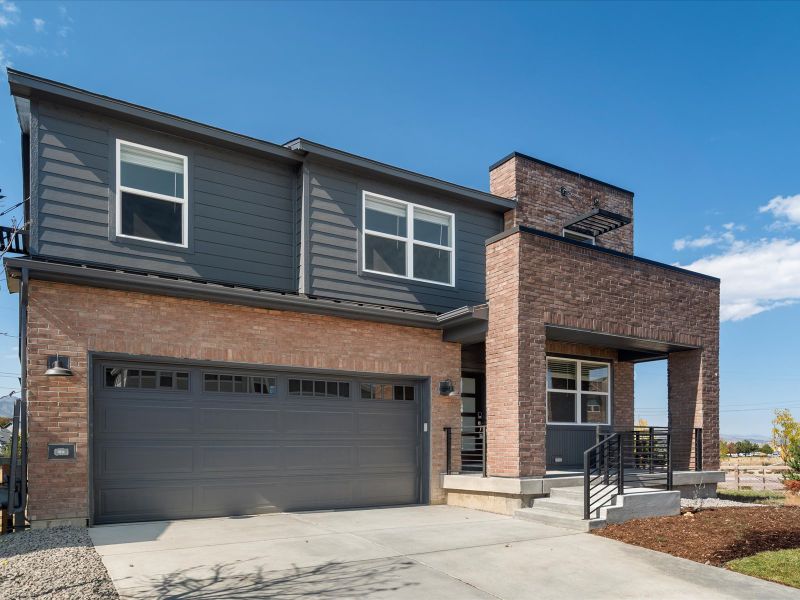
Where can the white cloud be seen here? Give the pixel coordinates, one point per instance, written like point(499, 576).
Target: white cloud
point(24, 49)
point(38, 25)
point(9, 13)
point(755, 276)
point(700, 242)
point(64, 30)
point(785, 208)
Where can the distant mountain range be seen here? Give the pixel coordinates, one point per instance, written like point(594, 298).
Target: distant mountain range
point(753, 437)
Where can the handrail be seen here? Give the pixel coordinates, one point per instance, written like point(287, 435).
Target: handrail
point(639, 457)
point(472, 455)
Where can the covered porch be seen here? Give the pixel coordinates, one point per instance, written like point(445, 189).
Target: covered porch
point(553, 376)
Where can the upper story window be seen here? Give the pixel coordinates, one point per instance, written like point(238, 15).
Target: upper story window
point(580, 237)
point(151, 194)
point(408, 240)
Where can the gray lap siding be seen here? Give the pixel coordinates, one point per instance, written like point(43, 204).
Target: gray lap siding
point(253, 221)
point(334, 244)
point(241, 209)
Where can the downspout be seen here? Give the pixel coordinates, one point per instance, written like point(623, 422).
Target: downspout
point(19, 512)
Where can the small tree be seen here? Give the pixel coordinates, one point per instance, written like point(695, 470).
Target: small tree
point(785, 431)
point(723, 449)
point(731, 448)
point(791, 477)
point(766, 449)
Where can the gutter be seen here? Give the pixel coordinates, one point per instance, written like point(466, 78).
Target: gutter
point(198, 290)
point(307, 147)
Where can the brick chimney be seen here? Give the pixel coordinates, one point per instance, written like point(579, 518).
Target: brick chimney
point(548, 197)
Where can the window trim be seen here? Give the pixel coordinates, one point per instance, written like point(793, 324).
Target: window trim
point(408, 239)
point(589, 238)
point(156, 196)
point(578, 392)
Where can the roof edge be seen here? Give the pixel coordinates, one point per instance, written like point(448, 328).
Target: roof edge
point(308, 147)
point(27, 85)
point(584, 245)
point(544, 163)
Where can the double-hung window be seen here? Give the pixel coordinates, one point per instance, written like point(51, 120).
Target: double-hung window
point(408, 240)
point(578, 391)
point(151, 194)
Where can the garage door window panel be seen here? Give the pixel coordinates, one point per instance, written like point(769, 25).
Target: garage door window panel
point(227, 383)
point(146, 379)
point(319, 388)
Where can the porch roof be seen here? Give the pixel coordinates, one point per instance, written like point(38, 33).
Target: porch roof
point(632, 349)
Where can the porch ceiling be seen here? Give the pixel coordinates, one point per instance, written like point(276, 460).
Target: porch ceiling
point(631, 349)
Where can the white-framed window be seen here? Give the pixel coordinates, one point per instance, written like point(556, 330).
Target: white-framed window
point(407, 240)
point(578, 391)
point(580, 237)
point(152, 195)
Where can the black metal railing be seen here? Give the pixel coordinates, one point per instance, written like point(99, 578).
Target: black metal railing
point(471, 450)
point(13, 240)
point(687, 449)
point(603, 473)
point(635, 458)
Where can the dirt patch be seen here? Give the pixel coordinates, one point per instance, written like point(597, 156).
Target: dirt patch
point(716, 535)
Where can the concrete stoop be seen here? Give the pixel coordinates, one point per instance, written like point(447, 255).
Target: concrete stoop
point(564, 507)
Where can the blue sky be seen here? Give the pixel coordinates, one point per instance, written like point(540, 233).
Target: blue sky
point(692, 106)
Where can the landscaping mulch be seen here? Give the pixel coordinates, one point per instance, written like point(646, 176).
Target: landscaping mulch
point(714, 536)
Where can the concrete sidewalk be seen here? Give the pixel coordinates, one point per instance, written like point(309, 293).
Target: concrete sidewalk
point(435, 552)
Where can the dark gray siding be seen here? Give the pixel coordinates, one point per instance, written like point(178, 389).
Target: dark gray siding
point(333, 239)
point(242, 219)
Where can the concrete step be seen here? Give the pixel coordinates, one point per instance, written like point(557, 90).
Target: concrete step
point(562, 505)
point(572, 493)
point(558, 519)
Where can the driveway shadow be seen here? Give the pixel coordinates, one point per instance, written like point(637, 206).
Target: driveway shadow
point(329, 580)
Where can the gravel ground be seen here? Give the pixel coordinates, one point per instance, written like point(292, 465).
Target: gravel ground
point(56, 564)
point(714, 503)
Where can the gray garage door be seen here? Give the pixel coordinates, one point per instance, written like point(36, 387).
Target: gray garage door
point(172, 441)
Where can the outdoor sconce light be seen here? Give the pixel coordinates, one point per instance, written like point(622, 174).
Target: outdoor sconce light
point(446, 387)
point(58, 367)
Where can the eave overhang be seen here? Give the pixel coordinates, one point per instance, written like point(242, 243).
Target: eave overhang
point(465, 325)
point(214, 292)
point(308, 148)
point(25, 86)
point(630, 349)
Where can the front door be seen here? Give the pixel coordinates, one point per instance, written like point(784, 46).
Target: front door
point(473, 419)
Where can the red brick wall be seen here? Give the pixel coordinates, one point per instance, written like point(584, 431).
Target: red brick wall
point(545, 281)
point(541, 205)
point(73, 320)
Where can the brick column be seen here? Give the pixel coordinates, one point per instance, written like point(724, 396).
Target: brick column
point(515, 367)
point(623, 394)
point(693, 395)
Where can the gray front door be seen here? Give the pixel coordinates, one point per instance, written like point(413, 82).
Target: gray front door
point(174, 441)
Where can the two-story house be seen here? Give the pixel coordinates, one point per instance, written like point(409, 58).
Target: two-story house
point(213, 324)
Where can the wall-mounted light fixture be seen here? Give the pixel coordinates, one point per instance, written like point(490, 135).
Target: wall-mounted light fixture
point(58, 366)
point(446, 387)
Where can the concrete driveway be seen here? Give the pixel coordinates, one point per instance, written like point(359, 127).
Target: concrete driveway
point(414, 552)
